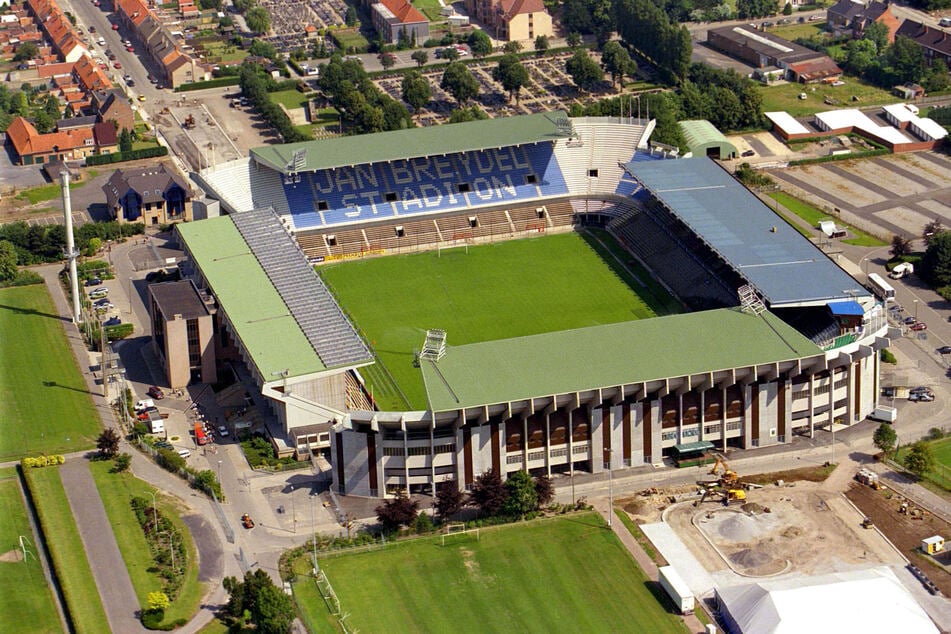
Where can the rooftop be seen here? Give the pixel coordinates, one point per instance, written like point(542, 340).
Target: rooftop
point(784, 266)
point(415, 142)
point(259, 318)
point(179, 298)
point(607, 356)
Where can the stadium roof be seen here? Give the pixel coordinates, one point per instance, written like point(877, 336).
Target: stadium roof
point(607, 356)
point(258, 315)
point(784, 266)
point(416, 142)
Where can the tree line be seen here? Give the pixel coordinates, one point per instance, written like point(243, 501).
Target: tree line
point(885, 65)
point(363, 107)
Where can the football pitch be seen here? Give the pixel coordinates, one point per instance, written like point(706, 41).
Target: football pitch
point(569, 574)
point(45, 406)
point(483, 293)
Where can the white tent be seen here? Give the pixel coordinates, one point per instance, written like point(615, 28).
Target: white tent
point(867, 601)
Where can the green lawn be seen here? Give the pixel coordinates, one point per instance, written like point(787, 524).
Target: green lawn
point(429, 8)
point(495, 291)
point(66, 549)
point(48, 192)
point(813, 215)
point(44, 405)
point(558, 575)
point(289, 98)
point(116, 489)
point(786, 96)
point(795, 29)
point(26, 601)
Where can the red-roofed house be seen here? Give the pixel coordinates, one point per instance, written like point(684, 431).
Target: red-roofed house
point(89, 76)
point(393, 17)
point(512, 20)
point(33, 148)
point(58, 29)
point(177, 66)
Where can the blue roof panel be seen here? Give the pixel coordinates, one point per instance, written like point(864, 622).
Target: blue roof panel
point(784, 266)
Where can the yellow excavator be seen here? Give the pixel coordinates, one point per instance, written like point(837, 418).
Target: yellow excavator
point(721, 469)
point(724, 495)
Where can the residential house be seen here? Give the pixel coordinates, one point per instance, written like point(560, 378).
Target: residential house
point(153, 195)
point(32, 148)
point(934, 42)
point(59, 30)
point(113, 106)
point(391, 18)
point(178, 67)
point(512, 20)
point(850, 17)
point(106, 136)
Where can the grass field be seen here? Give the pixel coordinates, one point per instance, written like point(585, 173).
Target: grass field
point(494, 291)
point(558, 575)
point(429, 8)
point(290, 98)
point(26, 601)
point(116, 489)
point(813, 215)
point(786, 96)
point(67, 551)
point(44, 405)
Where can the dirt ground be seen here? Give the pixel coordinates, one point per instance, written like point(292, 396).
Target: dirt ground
point(904, 532)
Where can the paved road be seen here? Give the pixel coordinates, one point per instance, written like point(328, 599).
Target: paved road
point(108, 567)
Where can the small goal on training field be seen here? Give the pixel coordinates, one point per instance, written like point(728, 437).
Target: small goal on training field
point(457, 530)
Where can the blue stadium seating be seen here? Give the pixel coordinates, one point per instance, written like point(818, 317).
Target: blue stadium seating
point(424, 185)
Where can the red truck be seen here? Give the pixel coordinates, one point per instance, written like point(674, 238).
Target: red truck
point(200, 436)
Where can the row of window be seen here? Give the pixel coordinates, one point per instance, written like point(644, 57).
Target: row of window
point(419, 451)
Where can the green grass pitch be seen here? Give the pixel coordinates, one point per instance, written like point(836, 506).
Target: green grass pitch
point(494, 291)
point(560, 575)
point(26, 603)
point(44, 403)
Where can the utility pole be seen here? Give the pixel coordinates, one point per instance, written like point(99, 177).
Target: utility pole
point(71, 253)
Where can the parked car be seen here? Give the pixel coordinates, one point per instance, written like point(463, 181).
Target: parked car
point(99, 293)
point(222, 431)
point(921, 398)
point(103, 305)
point(115, 27)
point(156, 392)
point(117, 64)
point(921, 389)
point(944, 350)
point(246, 521)
point(748, 153)
point(95, 281)
point(918, 326)
point(908, 321)
point(113, 321)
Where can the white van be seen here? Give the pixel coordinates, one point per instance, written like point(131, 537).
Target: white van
point(184, 453)
point(944, 22)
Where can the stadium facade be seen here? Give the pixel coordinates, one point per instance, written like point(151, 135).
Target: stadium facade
point(779, 341)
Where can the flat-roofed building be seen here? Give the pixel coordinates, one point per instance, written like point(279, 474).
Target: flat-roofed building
point(182, 333)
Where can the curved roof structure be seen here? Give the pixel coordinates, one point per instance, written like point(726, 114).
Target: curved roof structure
point(702, 137)
point(415, 142)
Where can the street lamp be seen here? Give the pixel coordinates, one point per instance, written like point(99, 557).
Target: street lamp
point(313, 528)
point(916, 310)
point(154, 511)
point(219, 472)
point(610, 453)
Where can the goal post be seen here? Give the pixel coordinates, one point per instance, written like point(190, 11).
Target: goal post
point(456, 529)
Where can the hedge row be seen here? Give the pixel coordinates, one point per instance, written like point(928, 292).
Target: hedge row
point(839, 157)
point(218, 82)
point(119, 157)
point(35, 462)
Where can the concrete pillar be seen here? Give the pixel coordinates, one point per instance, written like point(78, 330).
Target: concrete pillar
point(723, 417)
point(812, 403)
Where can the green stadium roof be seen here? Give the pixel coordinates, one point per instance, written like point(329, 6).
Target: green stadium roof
point(415, 142)
point(261, 320)
point(608, 356)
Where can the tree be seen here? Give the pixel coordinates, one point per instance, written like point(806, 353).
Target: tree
point(125, 140)
point(877, 33)
point(900, 246)
point(243, 6)
point(92, 247)
point(416, 90)
point(936, 262)
point(511, 74)
point(931, 229)
point(270, 609)
point(787, 9)
point(206, 5)
point(51, 106)
point(449, 499)
point(108, 442)
point(458, 81)
point(472, 113)
point(512, 47)
point(121, 463)
point(400, 511)
point(584, 71)
point(451, 53)
point(480, 43)
point(522, 497)
point(258, 20)
point(542, 44)
point(158, 601)
point(387, 60)
point(544, 489)
point(43, 122)
point(885, 438)
point(906, 59)
point(350, 18)
point(25, 51)
point(573, 39)
point(617, 61)
point(8, 261)
point(488, 493)
point(860, 55)
point(920, 459)
point(420, 57)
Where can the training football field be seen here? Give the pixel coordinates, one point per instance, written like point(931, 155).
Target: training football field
point(569, 574)
point(488, 292)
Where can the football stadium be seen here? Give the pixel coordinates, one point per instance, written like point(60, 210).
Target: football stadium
point(539, 292)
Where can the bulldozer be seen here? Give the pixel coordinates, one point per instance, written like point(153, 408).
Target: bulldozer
point(724, 495)
point(189, 122)
point(721, 469)
point(867, 523)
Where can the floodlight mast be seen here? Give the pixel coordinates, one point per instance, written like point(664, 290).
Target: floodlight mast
point(70, 252)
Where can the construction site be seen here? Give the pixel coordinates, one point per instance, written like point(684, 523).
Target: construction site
point(728, 530)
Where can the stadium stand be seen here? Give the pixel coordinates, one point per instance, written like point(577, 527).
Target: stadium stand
point(243, 185)
point(589, 162)
point(308, 300)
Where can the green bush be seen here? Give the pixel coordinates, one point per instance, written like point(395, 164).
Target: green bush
point(887, 357)
point(23, 278)
point(218, 82)
point(169, 460)
point(119, 157)
point(152, 620)
point(944, 291)
point(119, 332)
